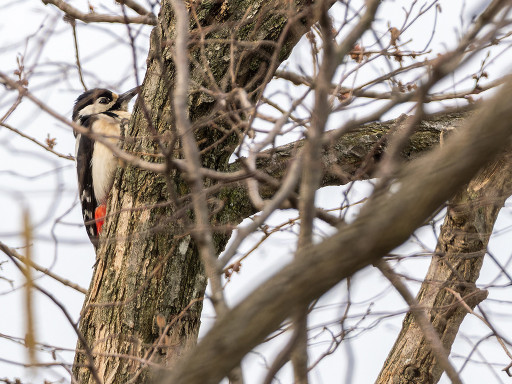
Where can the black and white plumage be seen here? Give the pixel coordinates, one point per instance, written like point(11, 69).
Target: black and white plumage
point(102, 112)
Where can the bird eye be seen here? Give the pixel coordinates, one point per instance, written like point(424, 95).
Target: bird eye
point(104, 100)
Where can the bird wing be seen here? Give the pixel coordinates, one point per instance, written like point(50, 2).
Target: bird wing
point(86, 191)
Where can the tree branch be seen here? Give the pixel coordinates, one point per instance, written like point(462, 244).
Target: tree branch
point(93, 17)
point(352, 156)
point(29, 263)
point(135, 6)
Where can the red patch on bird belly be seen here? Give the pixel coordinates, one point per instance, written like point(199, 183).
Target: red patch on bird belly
point(99, 216)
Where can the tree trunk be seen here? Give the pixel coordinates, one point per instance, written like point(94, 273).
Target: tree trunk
point(456, 265)
point(148, 274)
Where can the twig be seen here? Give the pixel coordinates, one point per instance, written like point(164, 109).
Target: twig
point(81, 338)
point(28, 365)
point(94, 17)
point(46, 147)
point(203, 233)
point(135, 6)
point(11, 252)
point(30, 337)
point(11, 109)
point(461, 301)
point(72, 22)
point(361, 92)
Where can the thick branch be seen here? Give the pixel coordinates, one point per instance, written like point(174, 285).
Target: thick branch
point(353, 156)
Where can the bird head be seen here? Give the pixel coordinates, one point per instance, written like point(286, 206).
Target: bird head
point(100, 100)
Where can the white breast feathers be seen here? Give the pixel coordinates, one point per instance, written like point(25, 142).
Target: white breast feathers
point(104, 163)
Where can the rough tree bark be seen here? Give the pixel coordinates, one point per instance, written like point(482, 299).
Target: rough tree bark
point(148, 274)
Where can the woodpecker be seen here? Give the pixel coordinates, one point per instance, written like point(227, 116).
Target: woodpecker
point(102, 112)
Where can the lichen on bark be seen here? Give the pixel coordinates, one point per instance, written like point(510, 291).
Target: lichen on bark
point(147, 266)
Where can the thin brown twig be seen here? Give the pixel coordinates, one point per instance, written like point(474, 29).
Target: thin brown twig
point(11, 252)
point(28, 365)
point(11, 109)
point(94, 17)
point(77, 56)
point(135, 6)
point(81, 338)
point(45, 147)
point(462, 302)
point(203, 233)
point(359, 92)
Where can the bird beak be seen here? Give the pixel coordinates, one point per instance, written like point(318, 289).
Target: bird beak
point(125, 98)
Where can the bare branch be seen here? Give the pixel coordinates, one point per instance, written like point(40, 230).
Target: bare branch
point(135, 6)
point(462, 302)
point(93, 17)
point(45, 147)
point(11, 252)
point(203, 233)
point(361, 92)
point(72, 22)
